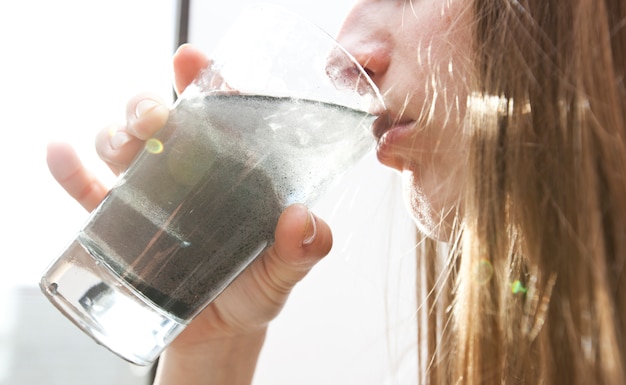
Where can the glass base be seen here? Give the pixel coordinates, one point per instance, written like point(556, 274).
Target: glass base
point(114, 315)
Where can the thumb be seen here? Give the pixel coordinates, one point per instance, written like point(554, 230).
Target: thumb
point(301, 240)
point(258, 295)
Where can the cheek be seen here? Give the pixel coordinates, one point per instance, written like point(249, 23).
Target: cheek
point(441, 49)
point(433, 183)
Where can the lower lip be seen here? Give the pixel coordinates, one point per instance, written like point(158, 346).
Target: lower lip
point(399, 136)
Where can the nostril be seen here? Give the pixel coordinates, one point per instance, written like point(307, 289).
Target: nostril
point(375, 58)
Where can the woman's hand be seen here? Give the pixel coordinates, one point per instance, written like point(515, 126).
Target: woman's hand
point(223, 342)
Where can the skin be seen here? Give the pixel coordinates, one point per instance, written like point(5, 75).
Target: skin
point(401, 45)
point(405, 46)
point(237, 321)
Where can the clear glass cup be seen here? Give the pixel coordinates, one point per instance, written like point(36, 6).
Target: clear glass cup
point(278, 115)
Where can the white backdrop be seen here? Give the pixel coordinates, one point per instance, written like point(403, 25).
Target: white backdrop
point(68, 68)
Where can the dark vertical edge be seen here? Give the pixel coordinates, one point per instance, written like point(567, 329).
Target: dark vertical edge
point(182, 25)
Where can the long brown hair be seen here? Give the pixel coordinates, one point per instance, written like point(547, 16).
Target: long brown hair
point(534, 288)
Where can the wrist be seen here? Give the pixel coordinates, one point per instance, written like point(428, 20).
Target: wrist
point(225, 360)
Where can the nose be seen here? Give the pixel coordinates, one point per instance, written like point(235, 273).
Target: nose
point(366, 37)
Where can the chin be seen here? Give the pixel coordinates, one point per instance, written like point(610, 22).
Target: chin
point(438, 231)
point(432, 222)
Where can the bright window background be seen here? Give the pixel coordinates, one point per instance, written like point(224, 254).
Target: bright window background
point(68, 68)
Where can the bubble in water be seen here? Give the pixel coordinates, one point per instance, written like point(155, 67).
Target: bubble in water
point(52, 288)
point(86, 302)
point(154, 146)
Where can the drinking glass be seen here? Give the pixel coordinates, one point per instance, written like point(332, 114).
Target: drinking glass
point(277, 116)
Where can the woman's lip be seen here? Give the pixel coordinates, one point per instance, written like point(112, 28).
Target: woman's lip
point(386, 123)
point(392, 139)
point(381, 125)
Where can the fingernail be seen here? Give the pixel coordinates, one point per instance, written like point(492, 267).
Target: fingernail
point(310, 229)
point(119, 139)
point(144, 107)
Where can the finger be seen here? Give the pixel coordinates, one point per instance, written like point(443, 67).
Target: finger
point(188, 62)
point(71, 174)
point(301, 240)
point(146, 113)
point(118, 145)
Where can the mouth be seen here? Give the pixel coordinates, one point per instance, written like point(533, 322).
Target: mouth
point(394, 135)
point(387, 122)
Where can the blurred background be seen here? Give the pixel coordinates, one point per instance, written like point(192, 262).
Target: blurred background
point(68, 68)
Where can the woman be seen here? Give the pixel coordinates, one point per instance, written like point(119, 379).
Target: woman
point(508, 128)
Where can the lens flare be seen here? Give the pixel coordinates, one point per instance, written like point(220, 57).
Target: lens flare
point(483, 272)
point(154, 146)
point(518, 288)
